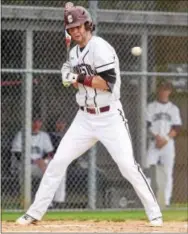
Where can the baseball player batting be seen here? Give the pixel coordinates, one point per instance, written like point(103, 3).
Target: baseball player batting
point(164, 122)
point(93, 68)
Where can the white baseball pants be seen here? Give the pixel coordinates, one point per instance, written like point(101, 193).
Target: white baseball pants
point(111, 129)
point(166, 156)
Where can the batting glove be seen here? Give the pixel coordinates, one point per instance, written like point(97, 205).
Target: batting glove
point(69, 78)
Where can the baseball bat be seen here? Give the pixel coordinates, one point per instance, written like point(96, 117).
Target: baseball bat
point(67, 36)
point(68, 6)
point(68, 43)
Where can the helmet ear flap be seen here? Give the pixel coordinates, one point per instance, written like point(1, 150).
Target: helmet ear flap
point(93, 27)
point(89, 26)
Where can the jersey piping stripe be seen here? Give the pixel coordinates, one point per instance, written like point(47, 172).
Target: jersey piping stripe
point(86, 96)
point(85, 55)
point(94, 99)
point(138, 166)
point(77, 51)
point(104, 65)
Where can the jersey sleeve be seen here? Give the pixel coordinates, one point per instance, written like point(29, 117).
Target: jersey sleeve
point(47, 144)
point(176, 118)
point(17, 143)
point(104, 57)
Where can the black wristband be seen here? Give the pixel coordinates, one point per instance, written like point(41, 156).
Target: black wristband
point(85, 80)
point(81, 78)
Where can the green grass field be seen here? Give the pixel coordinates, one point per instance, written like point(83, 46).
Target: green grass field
point(169, 215)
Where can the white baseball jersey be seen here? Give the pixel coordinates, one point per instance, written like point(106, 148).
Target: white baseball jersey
point(162, 116)
point(96, 57)
point(40, 144)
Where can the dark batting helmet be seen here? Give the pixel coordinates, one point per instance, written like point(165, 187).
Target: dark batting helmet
point(77, 15)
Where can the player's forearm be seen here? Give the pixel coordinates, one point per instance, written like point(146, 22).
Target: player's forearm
point(41, 164)
point(99, 83)
point(75, 85)
point(174, 131)
point(95, 82)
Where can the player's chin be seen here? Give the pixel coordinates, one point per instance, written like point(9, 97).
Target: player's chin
point(77, 39)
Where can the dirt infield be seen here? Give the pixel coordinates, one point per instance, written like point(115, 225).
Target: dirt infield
point(95, 227)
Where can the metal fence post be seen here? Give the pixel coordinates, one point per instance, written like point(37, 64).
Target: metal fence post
point(143, 93)
point(92, 189)
point(28, 117)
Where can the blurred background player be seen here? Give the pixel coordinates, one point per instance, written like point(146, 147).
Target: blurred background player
point(41, 155)
point(57, 135)
point(164, 122)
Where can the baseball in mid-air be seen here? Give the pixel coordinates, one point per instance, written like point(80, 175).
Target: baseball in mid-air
point(136, 51)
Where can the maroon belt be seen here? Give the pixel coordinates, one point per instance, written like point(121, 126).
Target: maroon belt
point(95, 110)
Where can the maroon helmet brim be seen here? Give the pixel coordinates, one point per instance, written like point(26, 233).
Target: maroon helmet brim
point(76, 24)
point(73, 25)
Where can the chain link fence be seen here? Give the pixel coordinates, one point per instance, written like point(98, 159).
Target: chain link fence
point(33, 51)
point(167, 6)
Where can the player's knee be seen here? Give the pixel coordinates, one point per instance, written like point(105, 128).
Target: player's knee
point(56, 168)
point(126, 170)
point(60, 161)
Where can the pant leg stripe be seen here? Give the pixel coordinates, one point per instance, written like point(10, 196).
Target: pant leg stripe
point(143, 176)
point(139, 169)
point(125, 123)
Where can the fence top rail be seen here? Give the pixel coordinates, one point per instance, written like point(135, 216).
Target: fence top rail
point(128, 73)
point(114, 16)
